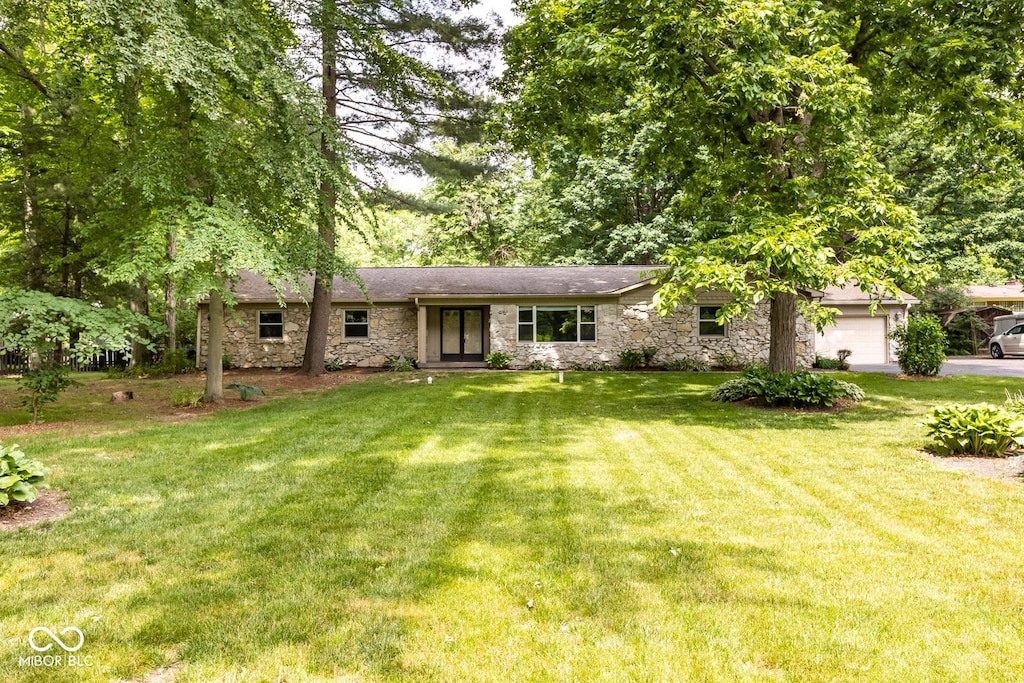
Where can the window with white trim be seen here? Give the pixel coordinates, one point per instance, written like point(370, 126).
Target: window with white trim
point(708, 324)
point(271, 324)
point(557, 323)
point(357, 323)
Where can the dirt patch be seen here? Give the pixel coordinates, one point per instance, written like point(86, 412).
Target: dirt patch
point(48, 506)
point(165, 674)
point(1005, 469)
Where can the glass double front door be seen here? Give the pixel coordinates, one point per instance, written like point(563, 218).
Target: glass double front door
point(462, 334)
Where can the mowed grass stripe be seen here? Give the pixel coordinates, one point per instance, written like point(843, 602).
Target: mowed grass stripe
point(392, 530)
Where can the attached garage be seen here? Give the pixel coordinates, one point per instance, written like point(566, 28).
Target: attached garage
point(856, 329)
point(864, 336)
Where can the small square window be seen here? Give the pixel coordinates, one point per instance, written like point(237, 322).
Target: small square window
point(525, 324)
point(357, 324)
point(709, 326)
point(271, 325)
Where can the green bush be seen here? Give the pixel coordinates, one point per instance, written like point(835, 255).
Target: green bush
point(399, 363)
point(19, 476)
point(798, 389)
point(537, 364)
point(922, 345)
point(687, 365)
point(187, 398)
point(44, 385)
point(826, 363)
point(631, 359)
point(733, 390)
point(227, 362)
point(499, 360)
point(977, 429)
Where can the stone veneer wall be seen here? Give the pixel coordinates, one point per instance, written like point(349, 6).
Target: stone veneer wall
point(392, 333)
point(635, 325)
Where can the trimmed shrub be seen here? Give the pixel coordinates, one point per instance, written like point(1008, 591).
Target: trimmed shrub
point(798, 389)
point(825, 363)
point(922, 345)
point(499, 360)
point(19, 476)
point(975, 429)
point(537, 364)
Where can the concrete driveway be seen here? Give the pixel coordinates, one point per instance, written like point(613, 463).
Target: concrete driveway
point(963, 365)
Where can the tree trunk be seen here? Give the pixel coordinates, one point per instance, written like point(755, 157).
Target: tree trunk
point(33, 251)
point(782, 344)
point(215, 350)
point(323, 287)
point(140, 304)
point(171, 298)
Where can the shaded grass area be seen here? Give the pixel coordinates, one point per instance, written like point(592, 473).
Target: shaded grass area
point(396, 531)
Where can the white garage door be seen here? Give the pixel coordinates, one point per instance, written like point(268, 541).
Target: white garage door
point(864, 336)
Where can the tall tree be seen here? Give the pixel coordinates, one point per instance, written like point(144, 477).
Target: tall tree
point(391, 71)
point(217, 150)
point(767, 114)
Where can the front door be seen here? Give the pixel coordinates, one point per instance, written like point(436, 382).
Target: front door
point(462, 334)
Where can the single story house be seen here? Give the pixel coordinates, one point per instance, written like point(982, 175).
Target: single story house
point(1009, 296)
point(454, 316)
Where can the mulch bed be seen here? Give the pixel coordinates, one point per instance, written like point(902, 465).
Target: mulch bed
point(48, 506)
point(1005, 469)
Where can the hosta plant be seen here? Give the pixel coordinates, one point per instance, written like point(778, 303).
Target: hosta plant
point(975, 429)
point(19, 476)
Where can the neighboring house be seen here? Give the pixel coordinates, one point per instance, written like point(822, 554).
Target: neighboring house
point(454, 316)
point(1009, 296)
point(857, 330)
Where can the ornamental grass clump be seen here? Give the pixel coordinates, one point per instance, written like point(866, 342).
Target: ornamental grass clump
point(975, 429)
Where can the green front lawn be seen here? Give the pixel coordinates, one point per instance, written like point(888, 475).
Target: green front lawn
point(390, 530)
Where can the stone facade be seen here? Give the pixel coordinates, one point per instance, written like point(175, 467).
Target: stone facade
point(637, 325)
point(392, 332)
point(627, 323)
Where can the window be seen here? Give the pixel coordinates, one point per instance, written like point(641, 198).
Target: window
point(709, 327)
point(557, 323)
point(1017, 330)
point(357, 323)
point(271, 324)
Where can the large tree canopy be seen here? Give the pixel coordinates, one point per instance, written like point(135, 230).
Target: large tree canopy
point(771, 116)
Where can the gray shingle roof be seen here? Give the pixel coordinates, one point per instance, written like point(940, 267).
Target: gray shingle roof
point(403, 284)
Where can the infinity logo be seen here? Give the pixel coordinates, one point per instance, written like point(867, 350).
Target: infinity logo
point(68, 648)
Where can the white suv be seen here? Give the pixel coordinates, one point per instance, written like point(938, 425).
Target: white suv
point(1009, 343)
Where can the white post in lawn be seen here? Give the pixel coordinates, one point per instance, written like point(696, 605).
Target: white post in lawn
point(561, 376)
